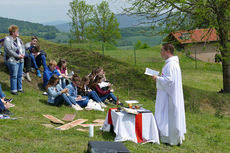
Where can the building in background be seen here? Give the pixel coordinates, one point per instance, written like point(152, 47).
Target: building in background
point(200, 43)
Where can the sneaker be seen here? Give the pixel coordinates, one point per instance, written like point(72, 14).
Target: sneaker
point(88, 109)
point(7, 112)
point(77, 107)
point(8, 100)
point(99, 109)
point(39, 74)
point(22, 91)
point(102, 104)
point(45, 93)
point(27, 76)
point(14, 93)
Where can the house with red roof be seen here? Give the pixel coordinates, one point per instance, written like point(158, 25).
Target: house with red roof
point(199, 43)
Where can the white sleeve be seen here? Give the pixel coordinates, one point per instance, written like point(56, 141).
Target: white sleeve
point(166, 79)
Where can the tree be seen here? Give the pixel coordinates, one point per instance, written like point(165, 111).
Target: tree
point(50, 35)
point(104, 26)
point(80, 13)
point(138, 44)
point(190, 14)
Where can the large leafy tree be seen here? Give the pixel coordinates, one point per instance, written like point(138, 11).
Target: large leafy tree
point(104, 26)
point(80, 14)
point(189, 14)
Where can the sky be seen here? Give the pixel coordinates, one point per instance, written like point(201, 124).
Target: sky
point(45, 11)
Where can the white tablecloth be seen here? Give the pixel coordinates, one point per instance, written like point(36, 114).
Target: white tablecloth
point(139, 128)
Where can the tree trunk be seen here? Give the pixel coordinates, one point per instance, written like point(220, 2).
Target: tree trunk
point(226, 75)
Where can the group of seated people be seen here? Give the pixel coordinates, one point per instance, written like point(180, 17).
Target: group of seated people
point(89, 92)
point(79, 91)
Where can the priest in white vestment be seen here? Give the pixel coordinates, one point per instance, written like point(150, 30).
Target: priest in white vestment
point(169, 108)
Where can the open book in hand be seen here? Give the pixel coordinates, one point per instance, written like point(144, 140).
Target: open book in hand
point(151, 72)
point(81, 99)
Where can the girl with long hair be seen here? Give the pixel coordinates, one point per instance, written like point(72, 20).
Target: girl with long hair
point(84, 90)
point(57, 95)
point(103, 94)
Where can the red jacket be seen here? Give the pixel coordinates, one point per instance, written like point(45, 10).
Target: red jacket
point(100, 91)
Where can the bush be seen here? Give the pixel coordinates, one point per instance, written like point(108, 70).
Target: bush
point(138, 44)
point(144, 46)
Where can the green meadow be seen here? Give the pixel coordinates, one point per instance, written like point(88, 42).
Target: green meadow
point(207, 111)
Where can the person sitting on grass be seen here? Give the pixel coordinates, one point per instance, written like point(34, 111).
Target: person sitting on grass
point(103, 94)
point(38, 58)
point(57, 95)
point(104, 85)
point(3, 103)
point(84, 90)
point(93, 75)
point(62, 69)
point(73, 92)
point(49, 72)
point(3, 96)
point(29, 46)
point(1, 44)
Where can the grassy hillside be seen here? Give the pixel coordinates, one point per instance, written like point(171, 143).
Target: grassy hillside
point(206, 131)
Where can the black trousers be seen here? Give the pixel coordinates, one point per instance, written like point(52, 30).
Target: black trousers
point(27, 63)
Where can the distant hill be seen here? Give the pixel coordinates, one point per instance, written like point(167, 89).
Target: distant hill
point(145, 34)
point(52, 23)
point(29, 28)
point(65, 27)
point(123, 20)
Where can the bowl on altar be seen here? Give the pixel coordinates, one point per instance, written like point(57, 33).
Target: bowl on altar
point(138, 106)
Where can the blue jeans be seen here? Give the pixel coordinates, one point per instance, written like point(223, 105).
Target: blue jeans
point(36, 62)
point(62, 82)
point(2, 95)
point(2, 107)
point(93, 95)
point(110, 95)
point(16, 70)
point(59, 100)
point(83, 103)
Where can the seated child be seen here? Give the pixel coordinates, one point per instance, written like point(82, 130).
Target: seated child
point(51, 69)
point(104, 85)
point(62, 69)
point(103, 94)
point(3, 103)
point(73, 92)
point(38, 58)
point(93, 74)
point(58, 96)
point(84, 90)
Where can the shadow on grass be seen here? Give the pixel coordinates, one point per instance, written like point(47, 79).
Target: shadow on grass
point(197, 100)
point(5, 86)
point(43, 101)
point(108, 136)
point(40, 86)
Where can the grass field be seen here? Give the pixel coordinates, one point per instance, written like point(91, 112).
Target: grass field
point(207, 112)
